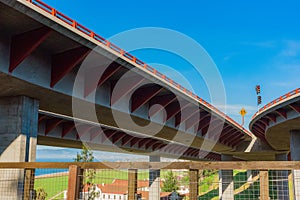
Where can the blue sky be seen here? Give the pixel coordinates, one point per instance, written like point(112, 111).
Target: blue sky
point(251, 42)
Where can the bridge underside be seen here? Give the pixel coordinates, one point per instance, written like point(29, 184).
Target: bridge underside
point(45, 66)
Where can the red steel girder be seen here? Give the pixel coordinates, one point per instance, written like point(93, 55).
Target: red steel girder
point(41, 117)
point(151, 143)
point(228, 134)
point(237, 142)
point(67, 128)
point(281, 112)
point(193, 151)
point(271, 117)
point(258, 132)
point(24, 44)
point(224, 133)
point(126, 139)
point(142, 95)
point(52, 124)
point(135, 141)
point(117, 137)
point(175, 108)
point(295, 107)
point(258, 127)
point(196, 153)
point(64, 62)
point(237, 136)
point(188, 151)
point(83, 129)
point(196, 119)
point(163, 100)
point(98, 76)
point(95, 132)
point(108, 135)
point(204, 122)
point(181, 149)
point(187, 113)
point(217, 127)
point(143, 142)
point(265, 121)
point(124, 89)
point(159, 146)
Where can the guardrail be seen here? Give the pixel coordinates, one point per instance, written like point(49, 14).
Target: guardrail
point(277, 101)
point(67, 20)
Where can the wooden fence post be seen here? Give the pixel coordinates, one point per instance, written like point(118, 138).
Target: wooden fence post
point(264, 184)
point(29, 184)
point(132, 184)
point(194, 189)
point(73, 183)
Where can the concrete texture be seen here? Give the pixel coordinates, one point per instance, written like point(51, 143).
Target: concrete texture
point(18, 136)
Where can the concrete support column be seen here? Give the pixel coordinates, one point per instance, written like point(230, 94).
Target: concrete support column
point(18, 138)
point(295, 156)
point(154, 180)
point(226, 185)
point(280, 183)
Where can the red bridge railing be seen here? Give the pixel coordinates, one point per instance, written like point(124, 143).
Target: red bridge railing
point(127, 55)
point(277, 101)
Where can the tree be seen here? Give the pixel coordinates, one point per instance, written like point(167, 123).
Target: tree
point(89, 175)
point(170, 183)
point(41, 194)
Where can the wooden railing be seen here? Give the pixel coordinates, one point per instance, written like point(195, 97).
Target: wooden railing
point(133, 167)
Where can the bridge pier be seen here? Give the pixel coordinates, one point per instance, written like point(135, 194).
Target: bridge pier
point(18, 139)
point(154, 180)
point(226, 186)
point(295, 156)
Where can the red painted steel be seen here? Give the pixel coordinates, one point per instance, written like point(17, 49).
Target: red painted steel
point(271, 117)
point(67, 128)
point(64, 62)
point(125, 89)
point(52, 124)
point(94, 74)
point(41, 118)
point(142, 95)
point(24, 44)
point(109, 134)
point(128, 57)
point(281, 112)
point(187, 113)
point(194, 121)
point(175, 108)
point(277, 101)
point(164, 101)
point(295, 107)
